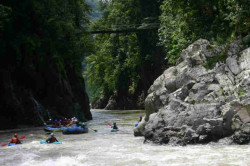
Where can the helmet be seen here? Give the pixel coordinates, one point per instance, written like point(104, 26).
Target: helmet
point(52, 134)
point(114, 123)
point(140, 116)
point(15, 135)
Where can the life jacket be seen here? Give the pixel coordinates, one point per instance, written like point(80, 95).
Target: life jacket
point(15, 140)
point(52, 139)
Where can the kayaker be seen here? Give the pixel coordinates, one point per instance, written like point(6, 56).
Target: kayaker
point(114, 126)
point(15, 139)
point(52, 139)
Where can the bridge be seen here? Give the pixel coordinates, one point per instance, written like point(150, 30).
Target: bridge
point(126, 28)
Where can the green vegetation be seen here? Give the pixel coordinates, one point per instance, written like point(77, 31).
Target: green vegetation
point(222, 91)
point(125, 64)
point(37, 34)
point(241, 93)
point(221, 57)
point(184, 21)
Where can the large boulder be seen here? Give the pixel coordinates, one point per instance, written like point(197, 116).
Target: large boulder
point(191, 103)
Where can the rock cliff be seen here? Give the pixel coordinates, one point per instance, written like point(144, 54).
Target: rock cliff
point(204, 98)
point(62, 95)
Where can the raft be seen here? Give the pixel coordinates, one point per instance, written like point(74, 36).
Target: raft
point(114, 130)
point(13, 144)
point(74, 130)
point(52, 129)
point(44, 142)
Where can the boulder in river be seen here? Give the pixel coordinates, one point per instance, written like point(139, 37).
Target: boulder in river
point(200, 99)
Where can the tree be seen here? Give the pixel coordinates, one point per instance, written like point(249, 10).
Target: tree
point(124, 65)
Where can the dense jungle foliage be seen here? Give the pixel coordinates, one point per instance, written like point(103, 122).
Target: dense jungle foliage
point(38, 33)
point(42, 46)
point(127, 63)
point(184, 21)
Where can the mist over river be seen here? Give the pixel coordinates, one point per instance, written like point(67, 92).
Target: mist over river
point(114, 149)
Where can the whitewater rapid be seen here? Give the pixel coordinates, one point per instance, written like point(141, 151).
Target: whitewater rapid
point(105, 148)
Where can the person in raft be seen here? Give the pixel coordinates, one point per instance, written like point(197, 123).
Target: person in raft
point(58, 123)
point(15, 139)
point(114, 126)
point(52, 139)
point(83, 124)
point(140, 119)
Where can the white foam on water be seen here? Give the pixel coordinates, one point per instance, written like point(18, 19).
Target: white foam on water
point(104, 148)
point(61, 161)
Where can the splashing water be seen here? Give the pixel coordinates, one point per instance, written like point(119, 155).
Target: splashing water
point(114, 149)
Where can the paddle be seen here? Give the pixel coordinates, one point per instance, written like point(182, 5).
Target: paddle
point(93, 130)
point(22, 137)
point(3, 145)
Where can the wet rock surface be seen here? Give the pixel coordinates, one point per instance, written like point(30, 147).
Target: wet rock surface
point(196, 103)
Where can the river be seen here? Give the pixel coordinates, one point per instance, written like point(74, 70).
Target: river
point(104, 148)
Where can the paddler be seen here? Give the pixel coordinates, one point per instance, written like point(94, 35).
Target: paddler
point(52, 139)
point(140, 119)
point(114, 126)
point(58, 123)
point(15, 139)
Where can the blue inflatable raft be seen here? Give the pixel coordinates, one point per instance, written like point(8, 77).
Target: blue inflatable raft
point(74, 130)
point(44, 142)
point(52, 129)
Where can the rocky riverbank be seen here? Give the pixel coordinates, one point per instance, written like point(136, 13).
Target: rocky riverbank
point(204, 98)
point(120, 102)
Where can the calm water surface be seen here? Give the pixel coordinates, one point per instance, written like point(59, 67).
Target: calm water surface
point(104, 148)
